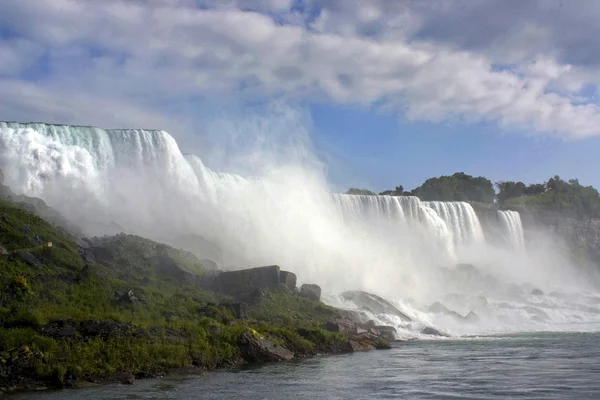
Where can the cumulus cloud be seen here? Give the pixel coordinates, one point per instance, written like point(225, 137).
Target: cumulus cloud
point(142, 59)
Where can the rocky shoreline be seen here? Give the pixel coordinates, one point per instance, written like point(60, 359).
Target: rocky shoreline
point(80, 311)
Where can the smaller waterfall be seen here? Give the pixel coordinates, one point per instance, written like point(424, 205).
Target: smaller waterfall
point(511, 222)
point(461, 220)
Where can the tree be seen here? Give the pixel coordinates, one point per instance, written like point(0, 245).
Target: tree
point(398, 191)
point(458, 187)
point(363, 192)
point(509, 190)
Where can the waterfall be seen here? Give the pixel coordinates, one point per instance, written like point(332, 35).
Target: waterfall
point(461, 219)
point(511, 223)
point(397, 247)
point(140, 180)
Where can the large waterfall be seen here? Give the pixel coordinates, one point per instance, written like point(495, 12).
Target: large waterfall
point(397, 247)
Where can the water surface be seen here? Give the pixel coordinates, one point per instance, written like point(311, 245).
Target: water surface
point(528, 366)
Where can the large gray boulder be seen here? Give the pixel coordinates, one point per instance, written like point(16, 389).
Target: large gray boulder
point(239, 283)
point(288, 279)
point(311, 291)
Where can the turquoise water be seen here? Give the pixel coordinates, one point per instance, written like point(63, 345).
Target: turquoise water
point(526, 366)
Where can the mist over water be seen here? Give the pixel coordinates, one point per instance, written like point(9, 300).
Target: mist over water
point(278, 208)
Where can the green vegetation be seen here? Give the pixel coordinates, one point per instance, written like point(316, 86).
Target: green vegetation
point(556, 195)
point(397, 191)
point(457, 187)
point(567, 197)
point(363, 192)
point(125, 304)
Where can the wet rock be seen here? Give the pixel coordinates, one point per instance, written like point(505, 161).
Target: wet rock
point(386, 332)
point(255, 348)
point(245, 281)
point(537, 292)
point(288, 279)
point(428, 330)
point(536, 312)
point(361, 346)
point(311, 291)
point(439, 308)
point(376, 304)
point(472, 317)
point(344, 326)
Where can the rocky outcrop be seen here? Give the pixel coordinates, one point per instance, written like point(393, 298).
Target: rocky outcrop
point(247, 283)
point(362, 336)
point(311, 291)
point(288, 279)
point(255, 348)
point(439, 308)
point(374, 304)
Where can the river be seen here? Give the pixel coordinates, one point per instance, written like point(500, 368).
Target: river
point(529, 365)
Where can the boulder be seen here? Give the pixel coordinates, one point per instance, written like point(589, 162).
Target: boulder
point(236, 283)
point(386, 332)
point(340, 326)
point(3, 251)
point(288, 279)
point(472, 317)
point(361, 346)
point(374, 303)
point(311, 291)
point(428, 330)
point(255, 348)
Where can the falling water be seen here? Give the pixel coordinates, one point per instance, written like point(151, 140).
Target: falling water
point(396, 247)
point(511, 222)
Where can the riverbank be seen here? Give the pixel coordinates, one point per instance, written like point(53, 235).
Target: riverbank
point(77, 311)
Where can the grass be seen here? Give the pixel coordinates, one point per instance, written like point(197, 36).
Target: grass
point(174, 325)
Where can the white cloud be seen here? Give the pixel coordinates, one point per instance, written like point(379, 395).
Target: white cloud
point(138, 56)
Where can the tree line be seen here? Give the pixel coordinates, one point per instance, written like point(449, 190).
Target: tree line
point(555, 194)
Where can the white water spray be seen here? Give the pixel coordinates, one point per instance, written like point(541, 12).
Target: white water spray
point(397, 247)
point(511, 222)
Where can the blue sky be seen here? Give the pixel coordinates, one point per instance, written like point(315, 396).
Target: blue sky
point(379, 151)
point(396, 92)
